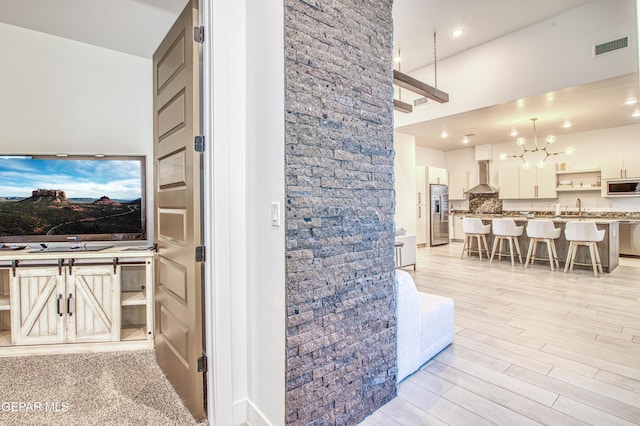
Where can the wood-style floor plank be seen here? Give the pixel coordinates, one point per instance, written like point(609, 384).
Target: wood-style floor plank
point(531, 346)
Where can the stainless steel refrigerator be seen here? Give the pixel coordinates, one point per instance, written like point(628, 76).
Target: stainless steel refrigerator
point(439, 214)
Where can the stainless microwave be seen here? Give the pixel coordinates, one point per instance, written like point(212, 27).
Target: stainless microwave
point(622, 187)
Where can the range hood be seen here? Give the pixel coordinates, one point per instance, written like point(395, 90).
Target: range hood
point(483, 187)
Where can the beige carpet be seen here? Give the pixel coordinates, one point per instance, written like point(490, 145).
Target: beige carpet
point(109, 388)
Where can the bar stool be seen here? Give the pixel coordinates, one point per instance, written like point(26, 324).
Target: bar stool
point(506, 229)
point(473, 227)
point(542, 231)
point(583, 233)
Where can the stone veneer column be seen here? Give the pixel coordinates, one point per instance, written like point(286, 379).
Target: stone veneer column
point(341, 327)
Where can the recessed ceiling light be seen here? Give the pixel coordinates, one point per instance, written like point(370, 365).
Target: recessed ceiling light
point(566, 124)
point(514, 132)
point(636, 113)
point(465, 140)
point(444, 134)
point(631, 101)
point(457, 32)
point(397, 59)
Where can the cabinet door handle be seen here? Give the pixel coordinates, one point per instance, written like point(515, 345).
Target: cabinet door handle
point(69, 304)
point(419, 212)
point(59, 307)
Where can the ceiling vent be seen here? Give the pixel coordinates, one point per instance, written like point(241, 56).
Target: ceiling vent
point(610, 46)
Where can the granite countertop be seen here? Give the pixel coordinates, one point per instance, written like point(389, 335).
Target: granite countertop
point(562, 219)
point(595, 216)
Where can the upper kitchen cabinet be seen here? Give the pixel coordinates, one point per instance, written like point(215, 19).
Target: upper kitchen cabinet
point(458, 183)
point(508, 183)
point(437, 175)
point(518, 183)
point(538, 183)
point(627, 166)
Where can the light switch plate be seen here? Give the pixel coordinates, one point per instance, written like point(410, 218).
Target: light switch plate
point(275, 213)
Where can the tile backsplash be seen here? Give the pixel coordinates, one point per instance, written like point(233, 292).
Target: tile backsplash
point(485, 203)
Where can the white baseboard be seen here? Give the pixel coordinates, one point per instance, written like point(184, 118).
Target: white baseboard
point(245, 412)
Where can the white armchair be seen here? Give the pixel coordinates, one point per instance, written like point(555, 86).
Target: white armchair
point(424, 325)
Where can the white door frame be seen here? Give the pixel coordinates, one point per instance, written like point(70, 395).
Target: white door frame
point(217, 291)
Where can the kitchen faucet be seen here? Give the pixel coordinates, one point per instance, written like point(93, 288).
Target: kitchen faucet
point(579, 206)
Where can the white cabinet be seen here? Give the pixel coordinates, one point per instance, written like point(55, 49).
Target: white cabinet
point(437, 175)
point(508, 183)
point(537, 183)
point(458, 183)
point(422, 202)
point(458, 232)
point(519, 183)
point(627, 166)
point(47, 298)
point(421, 224)
point(62, 304)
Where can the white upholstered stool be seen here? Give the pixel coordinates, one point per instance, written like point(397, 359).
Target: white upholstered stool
point(473, 227)
point(505, 229)
point(542, 231)
point(583, 234)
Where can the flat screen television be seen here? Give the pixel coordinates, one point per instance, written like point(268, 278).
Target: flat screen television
point(72, 198)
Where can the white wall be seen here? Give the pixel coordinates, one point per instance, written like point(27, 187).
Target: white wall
point(265, 185)
point(405, 182)
point(429, 157)
point(551, 55)
point(63, 96)
point(248, 271)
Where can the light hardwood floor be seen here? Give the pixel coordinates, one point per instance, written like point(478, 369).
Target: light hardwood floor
point(531, 346)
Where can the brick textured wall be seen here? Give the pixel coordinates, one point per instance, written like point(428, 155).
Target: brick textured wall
point(341, 335)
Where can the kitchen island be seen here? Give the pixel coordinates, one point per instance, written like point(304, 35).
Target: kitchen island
point(609, 247)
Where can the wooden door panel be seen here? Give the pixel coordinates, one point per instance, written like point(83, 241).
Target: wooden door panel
point(35, 309)
point(95, 306)
point(178, 280)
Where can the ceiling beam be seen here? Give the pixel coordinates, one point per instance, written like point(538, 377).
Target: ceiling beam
point(402, 106)
point(416, 86)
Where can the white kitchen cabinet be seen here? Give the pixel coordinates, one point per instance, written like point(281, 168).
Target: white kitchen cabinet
point(49, 300)
point(508, 183)
point(422, 217)
point(537, 183)
point(458, 232)
point(627, 166)
point(437, 175)
point(422, 202)
point(519, 183)
point(458, 183)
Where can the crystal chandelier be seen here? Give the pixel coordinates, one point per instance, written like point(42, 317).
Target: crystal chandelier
point(549, 140)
